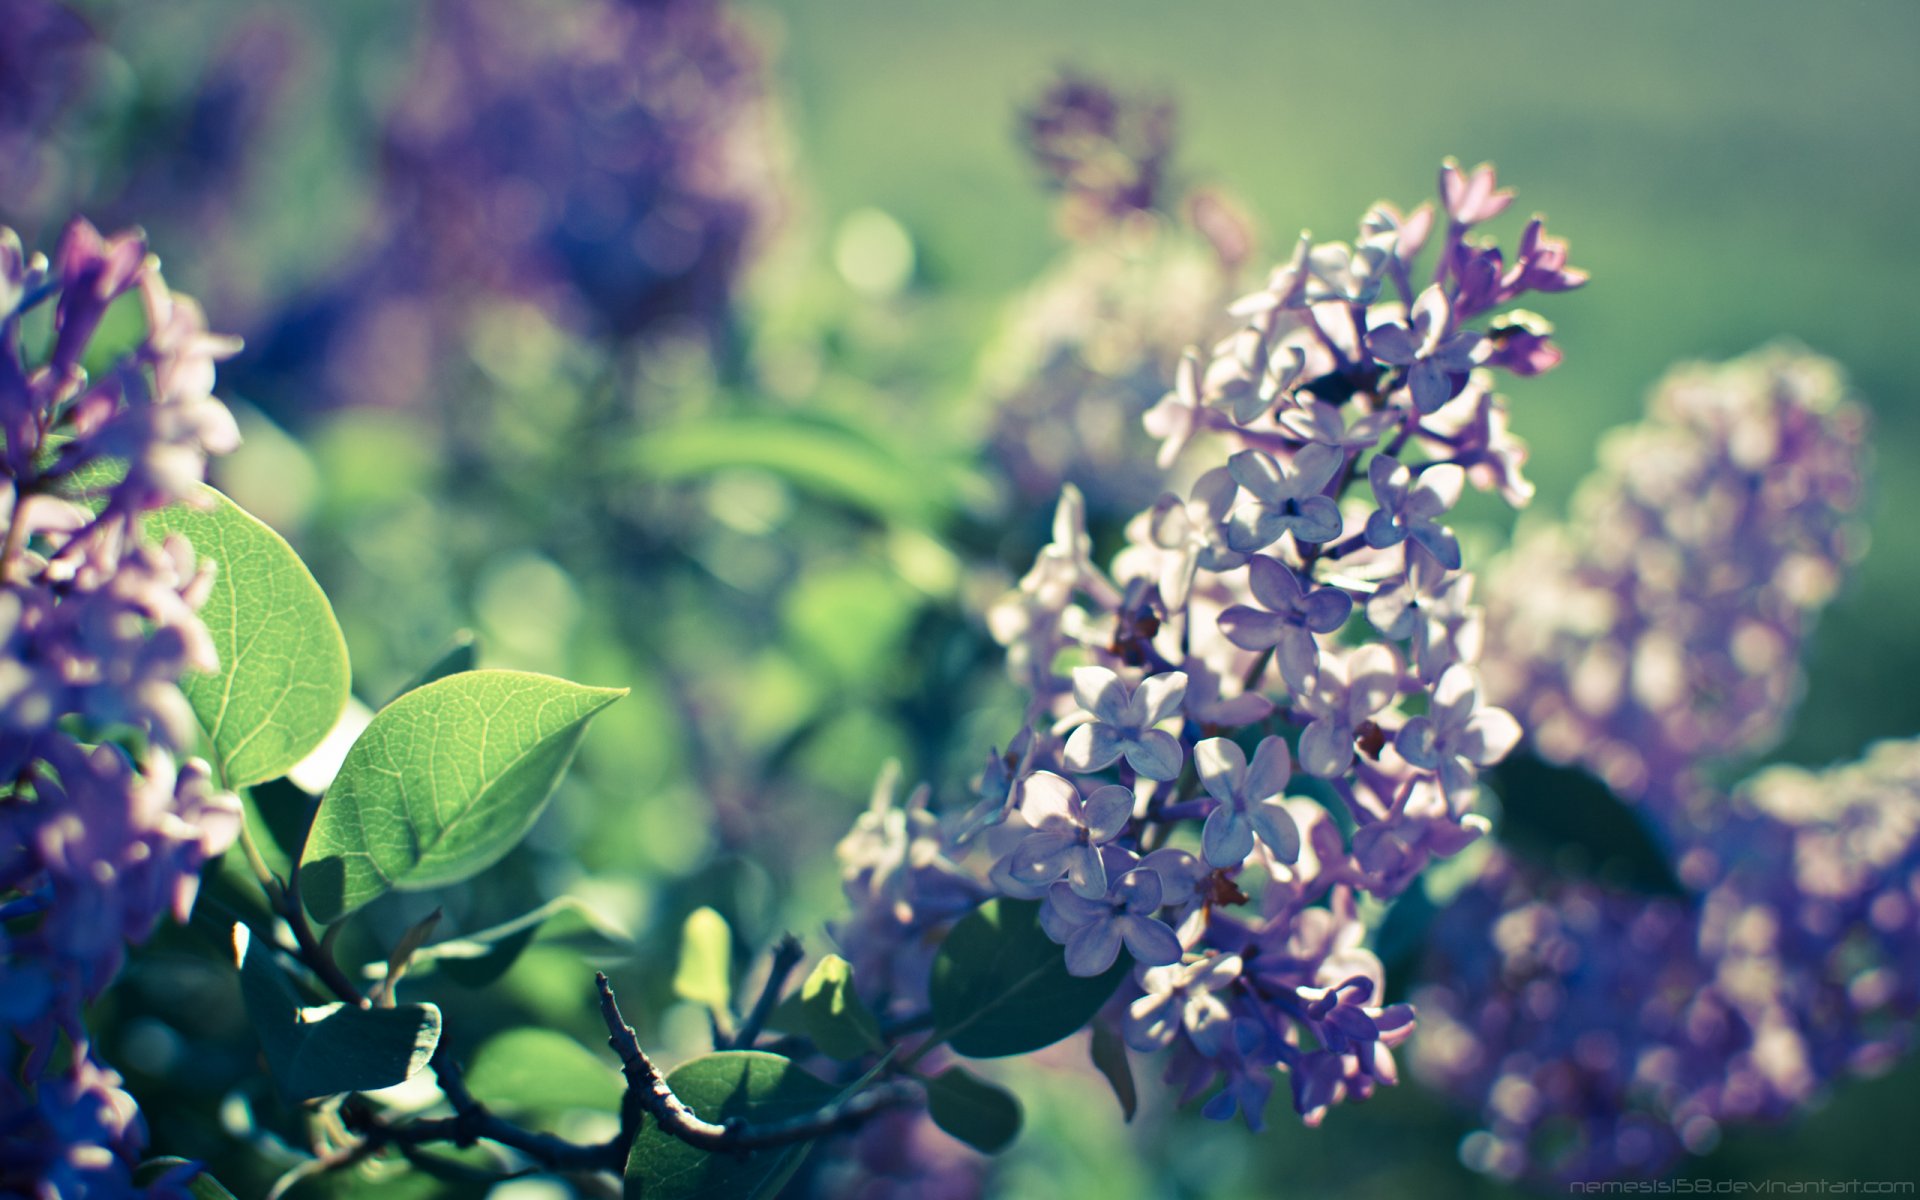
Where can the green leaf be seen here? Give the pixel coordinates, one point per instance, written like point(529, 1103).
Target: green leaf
point(443, 783)
point(332, 1048)
point(983, 1115)
point(201, 1186)
point(278, 814)
point(749, 1084)
point(1000, 985)
point(462, 653)
point(833, 1016)
point(535, 1070)
point(283, 673)
point(705, 974)
point(478, 959)
point(1110, 1056)
point(831, 460)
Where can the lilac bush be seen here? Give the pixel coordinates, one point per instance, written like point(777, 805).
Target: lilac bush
point(105, 822)
point(1603, 1033)
point(1148, 803)
point(1658, 630)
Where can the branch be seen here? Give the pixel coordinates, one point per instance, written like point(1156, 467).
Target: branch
point(657, 1098)
point(786, 956)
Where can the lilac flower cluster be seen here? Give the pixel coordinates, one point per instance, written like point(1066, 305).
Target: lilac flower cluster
point(1604, 1033)
point(1658, 630)
point(1084, 350)
point(1104, 152)
point(101, 833)
point(611, 163)
point(1179, 698)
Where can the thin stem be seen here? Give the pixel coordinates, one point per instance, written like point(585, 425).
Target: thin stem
point(657, 1098)
point(313, 953)
point(786, 956)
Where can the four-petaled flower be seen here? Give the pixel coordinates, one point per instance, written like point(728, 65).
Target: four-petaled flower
point(1123, 723)
point(1067, 833)
point(1093, 930)
point(1180, 997)
point(1340, 694)
point(1457, 734)
point(1290, 615)
point(1252, 801)
point(1286, 497)
point(1407, 509)
point(1430, 348)
point(1472, 197)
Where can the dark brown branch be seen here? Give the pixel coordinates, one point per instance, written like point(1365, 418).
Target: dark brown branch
point(318, 958)
point(786, 956)
point(657, 1098)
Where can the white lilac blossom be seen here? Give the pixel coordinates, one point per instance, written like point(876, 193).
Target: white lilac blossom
point(103, 830)
point(1181, 684)
point(1658, 630)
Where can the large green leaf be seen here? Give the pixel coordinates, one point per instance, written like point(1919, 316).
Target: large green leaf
point(283, 673)
point(332, 1048)
point(534, 1070)
point(445, 781)
point(1000, 985)
point(983, 1115)
point(749, 1084)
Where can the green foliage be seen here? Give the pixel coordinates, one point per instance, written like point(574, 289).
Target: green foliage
point(462, 653)
point(747, 1084)
point(534, 1070)
point(831, 1014)
point(705, 974)
point(1000, 985)
point(445, 781)
point(332, 1048)
point(478, 959)
point(983, 1115)
point(1110, 1057)
point(827, 459)
point(202, 1186)
point(283, 676)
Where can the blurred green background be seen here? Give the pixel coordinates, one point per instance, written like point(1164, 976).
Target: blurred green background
point(794, 608)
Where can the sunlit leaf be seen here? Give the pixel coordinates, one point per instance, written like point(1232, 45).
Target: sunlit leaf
point(445, 781)
point(283, 673)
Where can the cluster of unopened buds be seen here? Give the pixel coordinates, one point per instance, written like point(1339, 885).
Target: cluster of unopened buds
point(1267, 709)
point(102, 829)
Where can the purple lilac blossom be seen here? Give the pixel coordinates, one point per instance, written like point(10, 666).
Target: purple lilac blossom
point(1658, 630)
point(46, 50)
point(1161, 688)
point(1083, 352)
point(1601, 1033)
point(103, 830)
point(612, 164)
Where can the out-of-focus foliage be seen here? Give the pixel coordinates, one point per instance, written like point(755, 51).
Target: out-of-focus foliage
point(763, 455)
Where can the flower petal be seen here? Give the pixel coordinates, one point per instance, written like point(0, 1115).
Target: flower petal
point(1086, 874)
point(1222, 766)
point(1107, 812)
point(1162, 695)
point(1227, 837)
point(1325, 749)
point(1156, 754)
point(1267, 775)
point(1100, 692)
point(1274, 584)
point(1318, 520)
point(1274, 825)
point(1148, 940)
point(1047, 800)
point(1092, 748)
point(1042, 858)
point(1092, 948)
